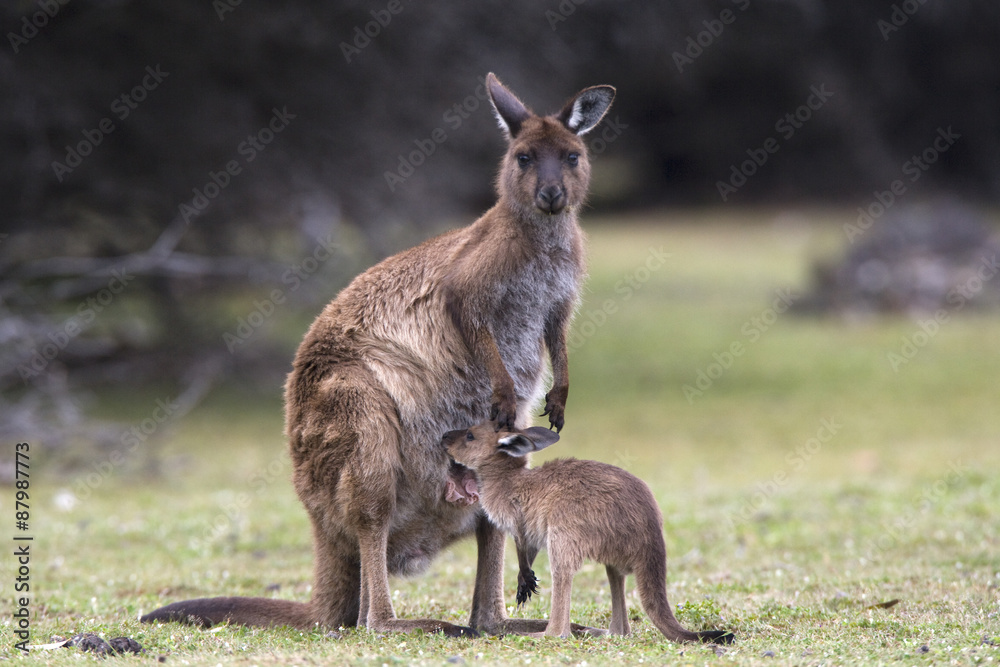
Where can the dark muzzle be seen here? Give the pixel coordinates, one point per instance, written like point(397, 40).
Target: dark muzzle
point(550, 199)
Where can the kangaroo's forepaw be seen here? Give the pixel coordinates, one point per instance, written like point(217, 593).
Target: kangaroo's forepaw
point(503, 411)
point(555, 408)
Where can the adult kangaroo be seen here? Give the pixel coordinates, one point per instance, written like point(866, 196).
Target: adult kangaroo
point(436, 338)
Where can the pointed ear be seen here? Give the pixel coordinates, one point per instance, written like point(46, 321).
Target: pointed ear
point(515, 445)
point(509, 110)
point(530, 440)
point(586, 109)
point(541, 436)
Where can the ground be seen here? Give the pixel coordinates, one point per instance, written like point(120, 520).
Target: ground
point(808, 470)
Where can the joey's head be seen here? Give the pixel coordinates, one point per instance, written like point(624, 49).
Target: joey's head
point(546, 170)
point(478, 446)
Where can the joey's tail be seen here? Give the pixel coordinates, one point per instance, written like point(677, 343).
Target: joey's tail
point(651, 580)
point(258, 612)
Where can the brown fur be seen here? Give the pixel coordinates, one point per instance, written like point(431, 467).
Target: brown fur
point(443, 335)
point(577, 510)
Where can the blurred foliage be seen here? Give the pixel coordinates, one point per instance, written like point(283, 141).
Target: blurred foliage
point(226, 161)
point(691, 103)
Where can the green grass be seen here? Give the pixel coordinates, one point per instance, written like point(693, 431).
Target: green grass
point(781, 535)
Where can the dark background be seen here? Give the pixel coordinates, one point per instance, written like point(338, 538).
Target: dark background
point(314, 206)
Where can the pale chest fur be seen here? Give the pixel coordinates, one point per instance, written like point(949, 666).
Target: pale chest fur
point(524, 305)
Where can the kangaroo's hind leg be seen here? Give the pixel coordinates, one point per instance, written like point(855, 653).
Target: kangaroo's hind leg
point(619, 610)
point(564, 564)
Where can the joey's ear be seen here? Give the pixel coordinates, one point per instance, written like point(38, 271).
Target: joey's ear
point(509, 110)
point(586, 109)
point(541, 436)
point(515, 445)
point(530, 440)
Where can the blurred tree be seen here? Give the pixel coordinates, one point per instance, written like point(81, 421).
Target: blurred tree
point(211, 150)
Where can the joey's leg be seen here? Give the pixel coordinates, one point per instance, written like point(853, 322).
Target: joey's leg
point(619, 610)
point(562, 588)
point(488, 611)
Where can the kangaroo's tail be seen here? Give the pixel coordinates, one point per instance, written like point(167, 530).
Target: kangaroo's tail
point(651, 580)
point(259, 612)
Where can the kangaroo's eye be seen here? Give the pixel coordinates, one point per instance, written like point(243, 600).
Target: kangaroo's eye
point(573, 159)
point(523, 160)
point(469, 436)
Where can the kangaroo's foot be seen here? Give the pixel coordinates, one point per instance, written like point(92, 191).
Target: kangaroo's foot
point(425, 624)
point(716, 637)
point(536, 627)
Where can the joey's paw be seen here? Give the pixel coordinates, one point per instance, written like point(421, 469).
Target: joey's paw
point(527, 584)
point(504, 412)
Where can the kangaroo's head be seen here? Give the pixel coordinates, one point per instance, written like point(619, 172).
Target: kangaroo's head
point(477, 446)
point(546, 169)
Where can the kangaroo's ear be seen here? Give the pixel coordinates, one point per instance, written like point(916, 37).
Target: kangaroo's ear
point(509, 110)
point(515, 445)
point(527, 441)
point(586, 109)
point(541, 436)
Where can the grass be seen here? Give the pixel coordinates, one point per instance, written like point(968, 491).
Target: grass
point(807, 483)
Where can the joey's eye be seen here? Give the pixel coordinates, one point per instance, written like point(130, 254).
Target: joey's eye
point(469, 436)
point(523, 160)
point(573, 159)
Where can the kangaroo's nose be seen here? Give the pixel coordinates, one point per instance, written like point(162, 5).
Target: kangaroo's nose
point(550, 199)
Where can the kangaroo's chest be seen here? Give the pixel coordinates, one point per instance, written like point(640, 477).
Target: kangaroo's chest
point(528, 299)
